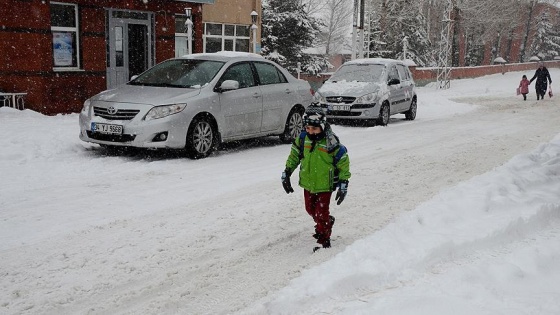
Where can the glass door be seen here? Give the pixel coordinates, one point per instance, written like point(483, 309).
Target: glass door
point(129, 45)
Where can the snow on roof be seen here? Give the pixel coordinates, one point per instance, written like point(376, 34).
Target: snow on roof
point(410, 63)
point(375, 61)
point(227, 54)
point(320, 50)
point(237, 54)
point(500, 60)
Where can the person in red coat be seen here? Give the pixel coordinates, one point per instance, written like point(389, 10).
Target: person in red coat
point(524, 87)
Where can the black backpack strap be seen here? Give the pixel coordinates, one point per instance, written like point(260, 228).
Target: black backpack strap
point(301, 144)
point(341, 151)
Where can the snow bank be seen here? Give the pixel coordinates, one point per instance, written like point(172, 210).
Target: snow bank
point(495, 235)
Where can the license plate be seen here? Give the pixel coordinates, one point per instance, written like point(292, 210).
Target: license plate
point(339, 107)
point(107, 128)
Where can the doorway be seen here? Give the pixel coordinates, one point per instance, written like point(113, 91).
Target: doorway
point(130, 45)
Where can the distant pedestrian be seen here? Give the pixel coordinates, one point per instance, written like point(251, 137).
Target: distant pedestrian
point(541, 85)
point(524, 87)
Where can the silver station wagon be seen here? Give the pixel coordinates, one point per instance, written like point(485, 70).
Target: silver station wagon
point(369, 90)
point(197, 102)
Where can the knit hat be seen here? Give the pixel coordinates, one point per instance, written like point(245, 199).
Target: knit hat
point(315, 116)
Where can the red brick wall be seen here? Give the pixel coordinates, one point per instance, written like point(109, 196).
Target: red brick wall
point(26, 61)
point(426, 75)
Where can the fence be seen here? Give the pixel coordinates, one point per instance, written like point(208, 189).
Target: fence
point(423, 76)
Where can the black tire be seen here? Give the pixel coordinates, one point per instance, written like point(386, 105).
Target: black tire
point(201, 138)
point(294, 126)
point(384, 113)
point(411, 113)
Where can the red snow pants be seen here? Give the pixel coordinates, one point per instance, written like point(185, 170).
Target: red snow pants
point(317, 205)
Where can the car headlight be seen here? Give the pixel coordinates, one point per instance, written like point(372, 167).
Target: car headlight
point(164, 111)
point(319, 98)
point(366, 99)
point(87, 106)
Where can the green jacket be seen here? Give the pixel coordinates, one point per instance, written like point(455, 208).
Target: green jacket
point(317, 171)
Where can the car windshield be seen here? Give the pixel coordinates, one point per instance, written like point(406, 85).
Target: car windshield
point(359, 73)
point(180, 73)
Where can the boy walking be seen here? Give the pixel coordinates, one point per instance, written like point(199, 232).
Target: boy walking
point(325, 166)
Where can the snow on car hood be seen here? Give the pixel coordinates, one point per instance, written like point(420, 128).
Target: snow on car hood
point(151, 95)
point(348, 88)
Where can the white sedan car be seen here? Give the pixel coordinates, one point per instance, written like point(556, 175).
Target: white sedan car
point(197, 102)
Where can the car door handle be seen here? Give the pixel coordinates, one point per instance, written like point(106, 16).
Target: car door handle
point(288, 91)
point(256, 95)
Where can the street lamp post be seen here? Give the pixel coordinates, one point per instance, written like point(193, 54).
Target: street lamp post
point(189, 25)
point(254, 27)
point(405, 46)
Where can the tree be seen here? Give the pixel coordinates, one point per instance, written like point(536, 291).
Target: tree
point(530, 6)
point(286, 31)
point(490, 22)
point(337, 20)
point(546, 41)
point(404, 19)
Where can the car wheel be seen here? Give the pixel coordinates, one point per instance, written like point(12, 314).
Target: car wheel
point(411, 113)
point(294, 126)
point(201, 138)
point(384, 113)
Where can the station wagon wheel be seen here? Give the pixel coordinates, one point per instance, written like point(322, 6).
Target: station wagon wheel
point(201, 138)
point(411, 113)
point(384, 113)
point(294, 126)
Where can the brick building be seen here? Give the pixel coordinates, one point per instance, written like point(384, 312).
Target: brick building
point(62, 52)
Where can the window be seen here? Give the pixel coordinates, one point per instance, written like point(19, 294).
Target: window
point(241, 73)
point(403, 72)
point(394, 74)
point(228, 37)
point(64, 28)
point(268, 74)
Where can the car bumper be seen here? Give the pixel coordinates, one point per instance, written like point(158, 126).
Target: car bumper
point(357, 111)
point(137, 132)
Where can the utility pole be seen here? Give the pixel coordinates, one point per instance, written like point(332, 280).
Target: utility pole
point(355, 29)
point(446, 43)
point(361, 28)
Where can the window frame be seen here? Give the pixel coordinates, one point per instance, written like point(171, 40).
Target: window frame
point(231, 39)
point(66, 29)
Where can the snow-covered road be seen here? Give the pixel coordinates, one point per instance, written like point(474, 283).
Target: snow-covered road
point(82, 232)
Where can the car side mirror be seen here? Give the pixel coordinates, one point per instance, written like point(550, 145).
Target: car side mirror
point(394, 81)
point(228, 85)
point(133, 77)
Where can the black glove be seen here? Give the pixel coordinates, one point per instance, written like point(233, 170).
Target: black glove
point(342, 191)
point(286, 181)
